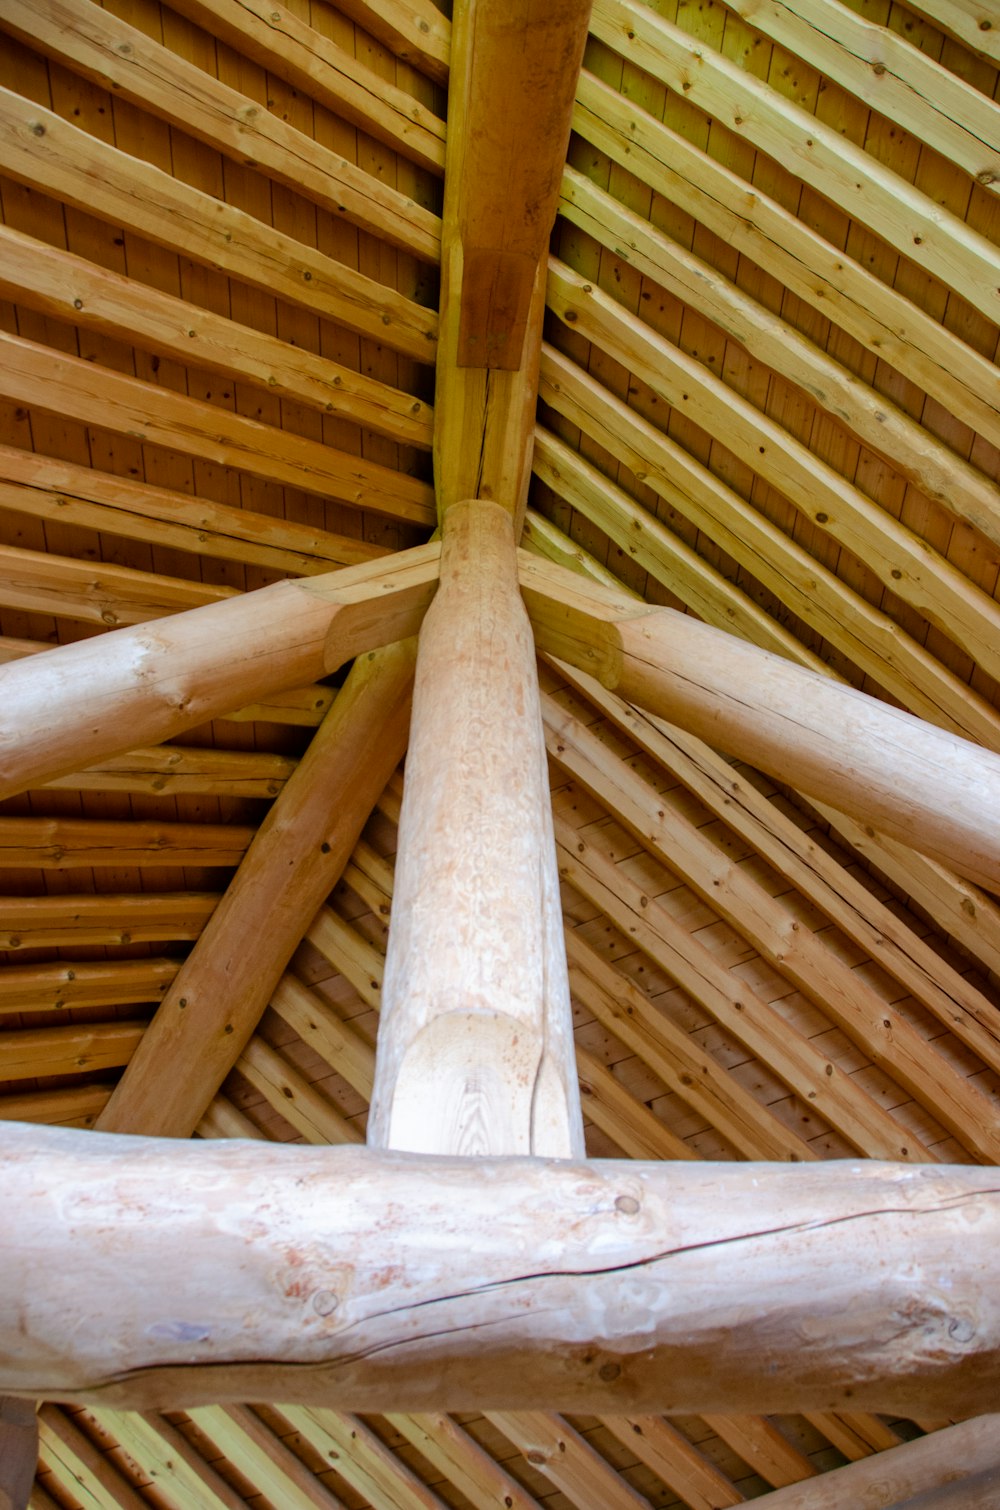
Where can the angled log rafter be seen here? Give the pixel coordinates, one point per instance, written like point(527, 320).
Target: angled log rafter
point(508, 126)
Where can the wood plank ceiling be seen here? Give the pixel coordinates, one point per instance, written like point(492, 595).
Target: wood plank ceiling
point(768, 396)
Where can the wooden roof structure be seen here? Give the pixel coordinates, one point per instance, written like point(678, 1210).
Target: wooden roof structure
point(750, 378)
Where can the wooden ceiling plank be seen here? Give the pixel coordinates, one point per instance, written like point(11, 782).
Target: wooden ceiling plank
point(289, 1093)
point(71, 921)
point(854, 1436)
point(905, 563)
point(462, 1461)
point(361, 1459)
point(554, 1449)
point(913, 1468)
point(295, 51)
point(278, 636)
point(851, 906)
point(873, 641)
point(133, 66)
point(52, 489)
point(673, 1459)
point(222, 1119)
point(430, 1281)
point(95, 592)
point(29, 1052)
point(509, 106)
point(882, 68)
point(910, 779)
point(80, 1467)
point(939, 472)
point(884, 321)
point(879, 1030)
point(318, 1025)
point(667, 558)
point(857, 182)
point(357, 960)
point(475, 1047)
point(262, 1458)
point(48, 153)
point(72, 1106)
point(71, 386)
point(71, 289)
point(635, 1129)
point(171, 1463)
point(763, 1448)
point(18, 1452)
point(173, 770)
point(297, 856)
point(969, 21)
point(72, 843)
point(685, 1069)
point(798, 1063)
point(65, 984)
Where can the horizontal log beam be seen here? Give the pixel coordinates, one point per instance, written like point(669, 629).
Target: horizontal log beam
point(922, 785)
point(79, 703)
point(615, 1287)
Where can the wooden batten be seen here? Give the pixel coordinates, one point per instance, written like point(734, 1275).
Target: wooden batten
point(614, 1287)
point(475, 1047)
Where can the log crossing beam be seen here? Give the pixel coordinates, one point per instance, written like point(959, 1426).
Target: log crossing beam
point(613, 1287)
point(79, 703)
point(916, 783)
point(513, 79)
point(475, 1052)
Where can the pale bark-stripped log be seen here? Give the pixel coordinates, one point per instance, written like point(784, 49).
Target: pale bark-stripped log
point(476, 1041)
point(217, 999)
point(935, 1463)
point(370, 1281)
point(78, 703)
point(922, 785)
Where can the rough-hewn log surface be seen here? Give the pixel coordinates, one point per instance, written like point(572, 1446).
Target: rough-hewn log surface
point(370, 1281)
point(475, 1051)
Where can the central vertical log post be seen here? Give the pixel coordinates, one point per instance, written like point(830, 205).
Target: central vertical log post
point(475, 1049)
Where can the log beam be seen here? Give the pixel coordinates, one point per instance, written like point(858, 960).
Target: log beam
point(514, 69)
point(914, 782)
point(367, 1281)
point(77, 704)
point(475, 1052)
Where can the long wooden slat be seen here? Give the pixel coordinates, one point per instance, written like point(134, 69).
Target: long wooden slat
point(41, 149)
point(152, 682)
point(165, 1455)
point(881, 67)
point(413, 30)
point(856, 181)
point(940, 474)
point(106, 918)
point(971, 21)
point(886, 323)
point(670, 1455)
point(29, 1052)
point(71, 843)
point(764, 1448)
point(318, 1025)
point(81, 1467)
point(612, 1261)
point(361, 1459)
point(51, 489)
point(173, 770)
point(263, 1459)
point(915, 782)
point(94, 592)
point(64, 984)
point(280, 41)
point(71, 386)
point(907, 564)
point(18, 1452)
point(633, 1128)
point(126, 61)
point(567, 1459)
point(208, 1016)
point(70, 288)
point(462, 1461)
point(295, 1098)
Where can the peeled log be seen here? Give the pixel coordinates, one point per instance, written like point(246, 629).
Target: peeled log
point(145, 1272)
point(916, 783)
point(475, 1047)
